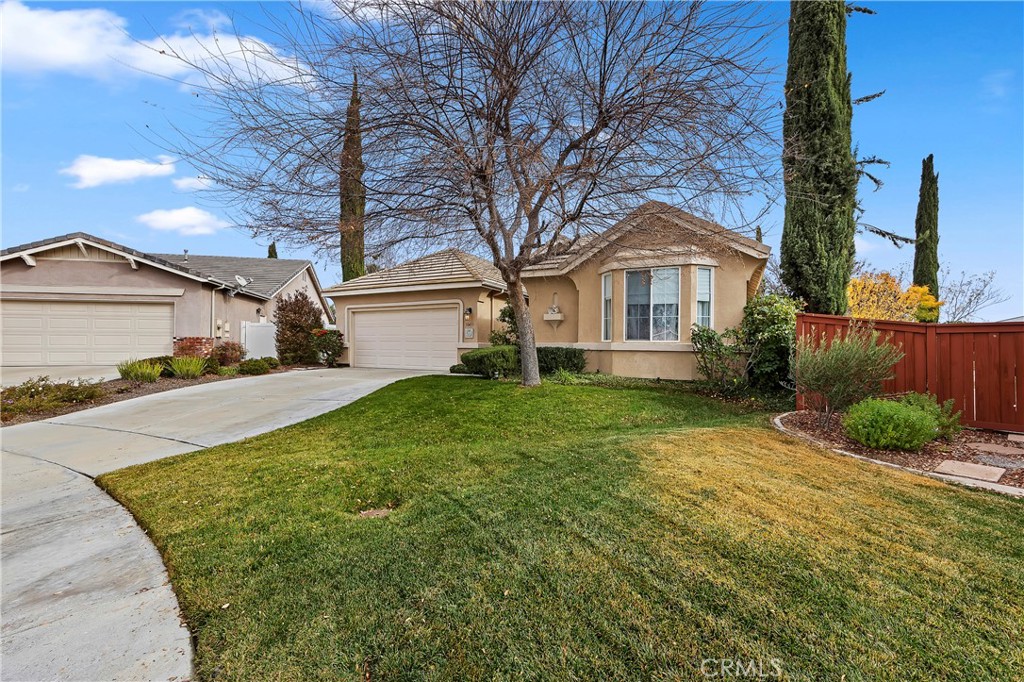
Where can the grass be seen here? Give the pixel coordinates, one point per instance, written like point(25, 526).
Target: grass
point(574, 532)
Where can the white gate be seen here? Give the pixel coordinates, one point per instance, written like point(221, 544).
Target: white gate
point(258, 339)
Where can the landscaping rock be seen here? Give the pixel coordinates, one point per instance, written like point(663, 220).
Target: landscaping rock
point(980, 472)
point(1005, 462)
point(996, 449)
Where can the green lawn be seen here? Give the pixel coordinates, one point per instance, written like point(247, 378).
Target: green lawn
point(574, 532)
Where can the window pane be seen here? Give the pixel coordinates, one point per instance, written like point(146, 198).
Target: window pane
point(665, 304)
point(703, 297)
point(638, 305)
point(704, 313)
point(606, 307)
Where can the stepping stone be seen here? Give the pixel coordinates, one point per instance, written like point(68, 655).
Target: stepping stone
point(1005, 462)
point(980, 472)
point(1016, 437)
point(996, 449)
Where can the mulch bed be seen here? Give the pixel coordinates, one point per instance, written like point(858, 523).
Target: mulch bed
point(115, 391)
point(930, 456)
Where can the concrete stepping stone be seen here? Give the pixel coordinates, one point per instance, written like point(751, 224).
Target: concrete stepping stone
point(997, 461)
point(996, 449)
point(980, 472)
point(1017, 438)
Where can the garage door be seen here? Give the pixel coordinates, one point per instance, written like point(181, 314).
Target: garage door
point(81, 333)
point(406, 338)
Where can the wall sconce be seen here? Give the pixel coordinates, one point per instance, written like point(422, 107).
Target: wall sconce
point(259, 311)
point(468, 315)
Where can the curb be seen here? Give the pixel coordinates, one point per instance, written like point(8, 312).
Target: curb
point(957, 480)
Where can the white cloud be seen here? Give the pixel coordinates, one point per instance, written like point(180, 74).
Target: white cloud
point(192, 184)
point(185, 221)
point(863, 245)
point(21, 187)
point(96, 43)
point(93, 171)
point(998, 84)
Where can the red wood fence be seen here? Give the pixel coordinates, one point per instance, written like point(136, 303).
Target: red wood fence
point(979, 365)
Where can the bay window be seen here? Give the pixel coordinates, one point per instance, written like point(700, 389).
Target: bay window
point(606, 307)
point(652, 304)
point(703, 297)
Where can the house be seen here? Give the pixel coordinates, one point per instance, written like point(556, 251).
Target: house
point(78, 299)
point(419, 315)
point(628, 296)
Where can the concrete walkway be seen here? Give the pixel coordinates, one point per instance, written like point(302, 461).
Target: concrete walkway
point(85, 595)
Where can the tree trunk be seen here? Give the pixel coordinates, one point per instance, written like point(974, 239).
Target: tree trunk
point(527, 339)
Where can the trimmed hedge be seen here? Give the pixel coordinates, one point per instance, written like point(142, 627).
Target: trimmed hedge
point(253, 367)
point(554, 358)
point(889, 425)
point(496, 361)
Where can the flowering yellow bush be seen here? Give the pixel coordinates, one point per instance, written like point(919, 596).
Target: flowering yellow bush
point(879, 296)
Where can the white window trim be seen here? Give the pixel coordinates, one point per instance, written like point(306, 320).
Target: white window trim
point(606, 293)
point(679, 306)
point(711, 291)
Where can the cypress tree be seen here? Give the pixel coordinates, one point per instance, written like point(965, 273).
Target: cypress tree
point(352, 193)
point(926, 229)
point(272, 250)
point(819, 170)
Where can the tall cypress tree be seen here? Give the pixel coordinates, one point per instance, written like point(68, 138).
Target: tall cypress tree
point(352, 193)
point(272, 250)
point(926, 229)
point(820, 173)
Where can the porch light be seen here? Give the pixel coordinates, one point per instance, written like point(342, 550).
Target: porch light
point(468, 315)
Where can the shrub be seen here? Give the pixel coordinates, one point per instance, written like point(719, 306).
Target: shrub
point(565, 377)
point(833, 376)
point(188, 366)
point(296, 316)
point(947, 421)
point(272, 362)
point(459, 369)
point(141, 370)
point(508, 335)
point(889, 425)
point(212, 366)
point(228, 371)
point(229, 353)
point(493, 362)
point(328, 345)
point(550, 359)
point(769, 332)
point(163, 361)
point(253, 367)
point(720, 358)
point(41, 394)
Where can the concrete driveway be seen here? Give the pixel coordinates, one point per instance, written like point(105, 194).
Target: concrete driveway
point(12, 376)
point(85, 595)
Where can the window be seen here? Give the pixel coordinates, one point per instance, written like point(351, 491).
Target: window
point(704, 297)
point(606, 307)
point(652, 305)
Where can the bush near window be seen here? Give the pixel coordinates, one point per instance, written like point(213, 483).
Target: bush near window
point(272, 362)
point(143, 371)
point(41, 394)
point(720, 358)
point(769, 332)
point(509, 334)
point(493, 362)
point(554, 358)
point(163, 361)
point(296, 316)
point(229, 353)
point(188, 366)
point(328, 345)
point(889, 425)
point(833, 376)
point(947, 421)
point(253, 367)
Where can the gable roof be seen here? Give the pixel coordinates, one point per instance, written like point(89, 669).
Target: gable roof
point(450, 266)
point(269, 275)
point(588, 246)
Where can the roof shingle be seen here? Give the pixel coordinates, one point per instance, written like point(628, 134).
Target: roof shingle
point(448, 266)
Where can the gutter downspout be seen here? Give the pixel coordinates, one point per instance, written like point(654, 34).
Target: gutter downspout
point(213, 308)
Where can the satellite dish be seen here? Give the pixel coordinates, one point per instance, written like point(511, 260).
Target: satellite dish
point(242, 281)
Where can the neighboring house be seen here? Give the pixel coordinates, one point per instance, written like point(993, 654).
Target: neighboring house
point(630, 295)
point(81, 300)
point(419, 315)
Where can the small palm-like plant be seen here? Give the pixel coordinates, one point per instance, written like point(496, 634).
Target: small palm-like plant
point(187, 366)
point(139, 370)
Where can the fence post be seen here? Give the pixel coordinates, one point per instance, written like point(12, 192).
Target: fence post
point(931, 354)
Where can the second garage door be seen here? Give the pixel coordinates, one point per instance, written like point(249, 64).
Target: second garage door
point(406, 338)
point(82, 333)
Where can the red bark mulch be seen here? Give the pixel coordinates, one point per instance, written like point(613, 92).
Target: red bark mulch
point(930, 456)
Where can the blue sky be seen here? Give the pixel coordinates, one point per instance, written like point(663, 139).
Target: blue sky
point(75, 108)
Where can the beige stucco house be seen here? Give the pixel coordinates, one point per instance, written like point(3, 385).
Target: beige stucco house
point(78, 299)
point(630, 295)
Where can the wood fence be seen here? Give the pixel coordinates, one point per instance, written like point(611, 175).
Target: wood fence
point(979, 365)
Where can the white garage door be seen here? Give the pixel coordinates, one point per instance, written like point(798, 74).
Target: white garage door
point(406, 338)
point(81, 333)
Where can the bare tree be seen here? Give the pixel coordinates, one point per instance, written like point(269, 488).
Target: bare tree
point(964, 296)
point(512, 128)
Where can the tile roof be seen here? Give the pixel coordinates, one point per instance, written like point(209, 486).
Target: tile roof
point(268, 275)
point(444, 267)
